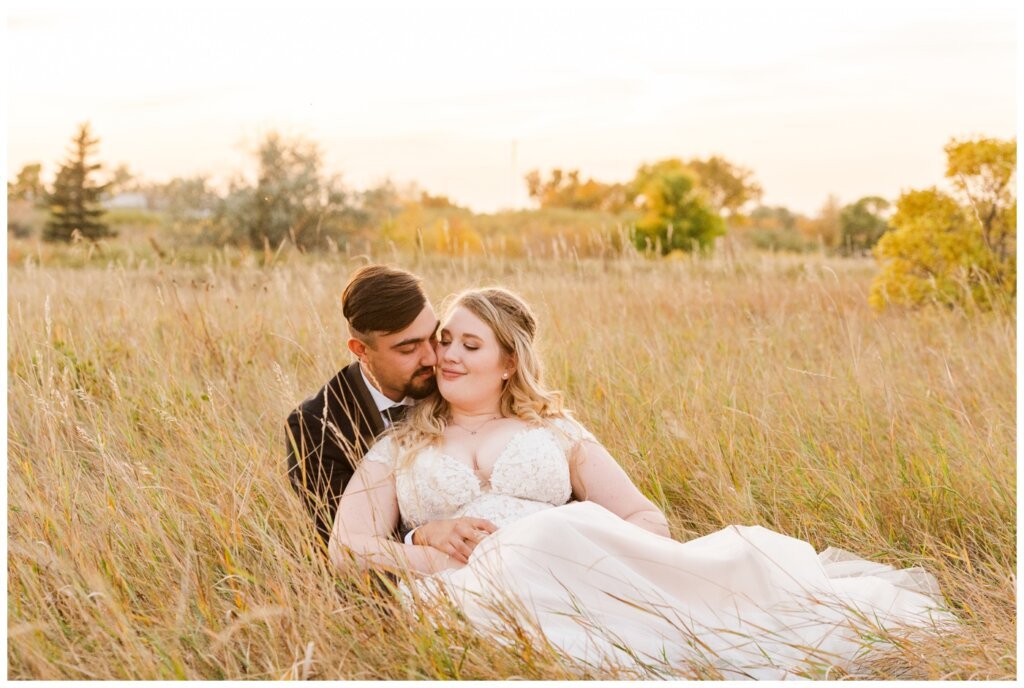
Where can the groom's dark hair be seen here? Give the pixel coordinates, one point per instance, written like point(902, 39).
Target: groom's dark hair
point(381, 299)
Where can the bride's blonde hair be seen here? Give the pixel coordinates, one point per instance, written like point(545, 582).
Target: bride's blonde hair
point(523, 395)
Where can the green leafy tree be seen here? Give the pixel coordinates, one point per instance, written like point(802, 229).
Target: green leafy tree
point(74, 203)
point(777, 218)
point(292, 199)
point(775, 229)
point(676, 215)
point(183, 198)
point(288, 191)
point(861, 225)
point(948, 247)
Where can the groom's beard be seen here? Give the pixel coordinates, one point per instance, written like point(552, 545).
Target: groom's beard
point(422, 384)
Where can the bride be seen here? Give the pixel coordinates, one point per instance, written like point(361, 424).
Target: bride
point(599, 578)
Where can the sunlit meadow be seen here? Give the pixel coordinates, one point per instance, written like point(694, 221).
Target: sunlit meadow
point(152, 533)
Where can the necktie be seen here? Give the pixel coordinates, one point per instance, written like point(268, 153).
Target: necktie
point(395, 413)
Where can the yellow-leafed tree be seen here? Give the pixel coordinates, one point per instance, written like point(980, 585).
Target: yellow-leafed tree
point(948, 248)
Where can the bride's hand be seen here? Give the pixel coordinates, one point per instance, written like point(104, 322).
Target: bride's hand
point(455, 537)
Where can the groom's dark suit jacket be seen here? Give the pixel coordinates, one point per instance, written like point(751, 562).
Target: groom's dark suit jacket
point(327, 436)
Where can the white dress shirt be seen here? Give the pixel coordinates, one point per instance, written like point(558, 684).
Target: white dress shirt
point(382, 402)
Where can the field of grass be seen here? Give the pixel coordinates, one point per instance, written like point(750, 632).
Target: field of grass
point(152, 533)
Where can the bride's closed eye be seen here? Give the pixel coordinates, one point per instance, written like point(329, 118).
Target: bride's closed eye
point(447, 342)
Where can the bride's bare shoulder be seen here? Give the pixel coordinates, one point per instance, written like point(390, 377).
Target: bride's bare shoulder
point(568, 429)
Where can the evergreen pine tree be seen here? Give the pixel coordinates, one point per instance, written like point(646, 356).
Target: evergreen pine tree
point(74, 203)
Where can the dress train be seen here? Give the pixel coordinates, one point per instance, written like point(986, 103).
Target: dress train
point(744, 602)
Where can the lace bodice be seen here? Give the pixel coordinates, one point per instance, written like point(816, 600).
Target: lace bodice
point(530, 474)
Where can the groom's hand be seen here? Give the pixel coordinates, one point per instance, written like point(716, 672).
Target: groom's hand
point(456, 537)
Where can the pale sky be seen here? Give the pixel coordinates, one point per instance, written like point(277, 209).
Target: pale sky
point(850, 98)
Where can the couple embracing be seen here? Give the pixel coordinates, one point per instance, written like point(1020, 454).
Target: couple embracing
point(440, 455)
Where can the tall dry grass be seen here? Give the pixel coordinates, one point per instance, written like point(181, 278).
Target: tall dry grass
point(152, 533)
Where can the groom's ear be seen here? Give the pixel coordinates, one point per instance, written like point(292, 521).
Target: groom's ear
point(358, 347)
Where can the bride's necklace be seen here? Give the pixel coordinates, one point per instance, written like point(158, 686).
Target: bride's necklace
point(484, 481)
point(478, 428)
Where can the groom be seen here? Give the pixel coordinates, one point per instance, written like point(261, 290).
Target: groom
point(393, 331)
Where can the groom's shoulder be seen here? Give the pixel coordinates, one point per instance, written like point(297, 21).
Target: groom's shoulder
point(338, 393)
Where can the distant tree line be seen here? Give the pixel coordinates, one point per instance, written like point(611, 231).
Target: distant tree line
point(846, 230)
point(687, 204)
point(290, 200)
point(932, 245)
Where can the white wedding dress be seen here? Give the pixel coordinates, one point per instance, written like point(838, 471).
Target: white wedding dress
point(744, 602)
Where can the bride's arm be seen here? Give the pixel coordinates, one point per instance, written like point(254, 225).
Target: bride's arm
point(367, 515)
point(597, 477)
